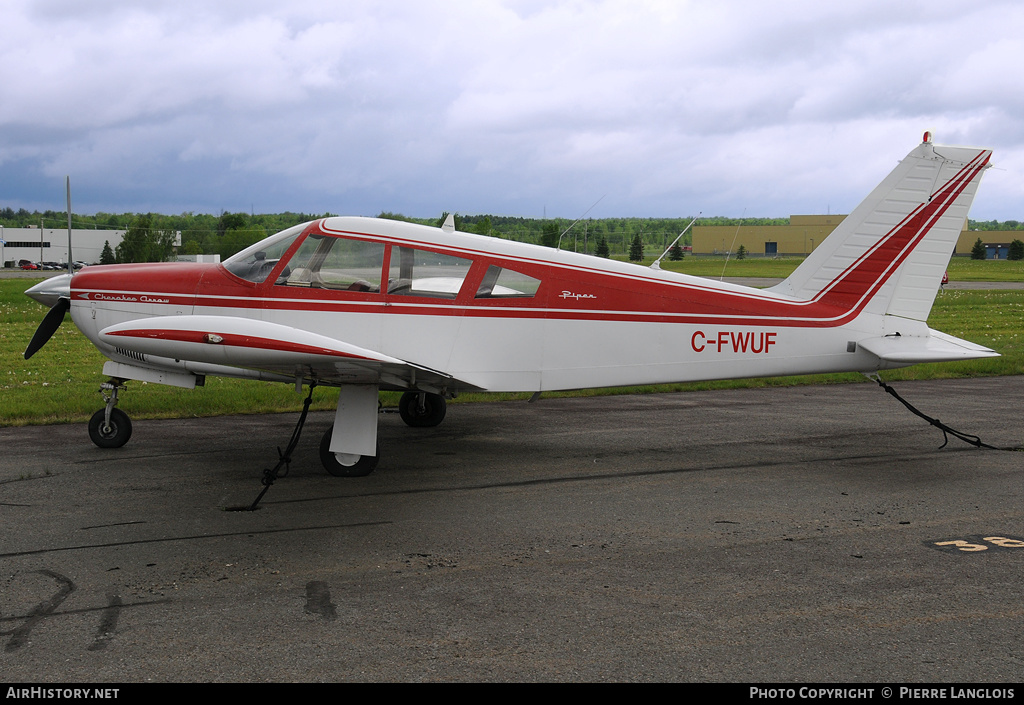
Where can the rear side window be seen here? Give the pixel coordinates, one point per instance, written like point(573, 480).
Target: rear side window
point(501, 283)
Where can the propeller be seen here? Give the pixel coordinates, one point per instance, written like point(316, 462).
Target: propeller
point(56, 290)
point(51, 322)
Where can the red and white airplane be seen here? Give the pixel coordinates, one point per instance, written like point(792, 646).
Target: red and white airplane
point(366, 304)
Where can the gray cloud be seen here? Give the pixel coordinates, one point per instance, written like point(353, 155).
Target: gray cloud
point(664, 107)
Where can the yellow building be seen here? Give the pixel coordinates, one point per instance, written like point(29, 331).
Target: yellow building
point(800, 237)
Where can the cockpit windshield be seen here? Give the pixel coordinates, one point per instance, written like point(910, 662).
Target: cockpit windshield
point(257, 262)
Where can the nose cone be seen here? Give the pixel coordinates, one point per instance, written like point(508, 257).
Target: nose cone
point(47, 292)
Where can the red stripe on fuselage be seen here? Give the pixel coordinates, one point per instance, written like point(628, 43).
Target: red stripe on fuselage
point(235, 341)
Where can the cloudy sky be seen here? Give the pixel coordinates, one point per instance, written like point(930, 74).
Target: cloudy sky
point(511, 107)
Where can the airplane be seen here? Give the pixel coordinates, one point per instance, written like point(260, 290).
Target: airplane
point(367, 304)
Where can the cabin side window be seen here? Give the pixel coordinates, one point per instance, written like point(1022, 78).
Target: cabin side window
point(324, 262)
point(416, 272)
point(502, 283)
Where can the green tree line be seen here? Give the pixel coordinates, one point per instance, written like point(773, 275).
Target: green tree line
point(228, 233)
point(151, 235)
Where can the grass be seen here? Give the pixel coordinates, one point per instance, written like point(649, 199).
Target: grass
point(60, 384)
point(965, 269)
point(779, 267)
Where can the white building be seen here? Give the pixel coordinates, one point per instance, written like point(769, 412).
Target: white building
point(51, 244)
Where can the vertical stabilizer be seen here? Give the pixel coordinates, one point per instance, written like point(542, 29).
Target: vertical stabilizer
point(889, 254)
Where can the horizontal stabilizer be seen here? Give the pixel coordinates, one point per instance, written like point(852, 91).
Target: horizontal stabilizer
point(936, 347)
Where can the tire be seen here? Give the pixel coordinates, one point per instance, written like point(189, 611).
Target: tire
point(432, 414)
point(113, 436)
point(334, 462)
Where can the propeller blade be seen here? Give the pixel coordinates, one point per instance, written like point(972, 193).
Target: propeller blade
point(51, 322)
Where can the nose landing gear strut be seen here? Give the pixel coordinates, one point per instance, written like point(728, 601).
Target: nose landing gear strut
point(110, 427)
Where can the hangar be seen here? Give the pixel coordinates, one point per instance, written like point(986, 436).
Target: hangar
point(803, 234)
point(51, 244)
point(800, 237)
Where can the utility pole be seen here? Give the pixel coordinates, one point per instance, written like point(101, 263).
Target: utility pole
point(71, 269)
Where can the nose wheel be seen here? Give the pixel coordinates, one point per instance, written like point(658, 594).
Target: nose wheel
point(110, 427)
point(112, 433)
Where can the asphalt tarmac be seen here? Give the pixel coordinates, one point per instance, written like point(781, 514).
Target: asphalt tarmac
point(813, 534)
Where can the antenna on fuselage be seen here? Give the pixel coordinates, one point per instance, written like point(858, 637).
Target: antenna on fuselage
point(656, 264)
point(559, 246)
point(729, 251)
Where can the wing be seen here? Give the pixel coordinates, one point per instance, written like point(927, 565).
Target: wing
point(229, 341)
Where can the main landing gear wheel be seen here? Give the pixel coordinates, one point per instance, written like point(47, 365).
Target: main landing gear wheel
point(345, 464)
point(422, 410)
point(112, 435)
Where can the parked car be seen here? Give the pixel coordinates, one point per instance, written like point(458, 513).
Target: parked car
point(25, 264)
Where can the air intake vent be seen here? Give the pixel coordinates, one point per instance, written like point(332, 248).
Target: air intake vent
point(130, 354)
